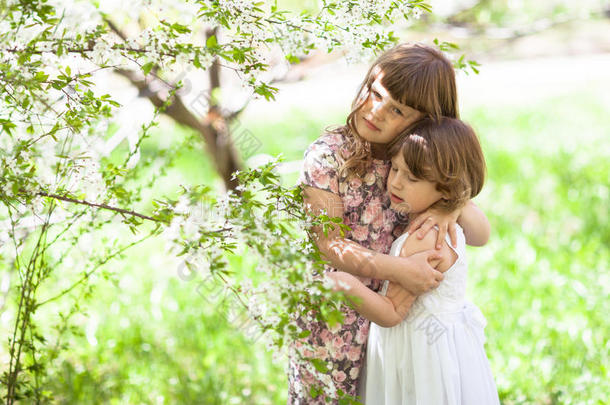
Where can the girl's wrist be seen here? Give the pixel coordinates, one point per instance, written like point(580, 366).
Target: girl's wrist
point(384, 268)
point(391, 266)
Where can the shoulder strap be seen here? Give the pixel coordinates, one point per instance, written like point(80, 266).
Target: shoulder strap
point(398, 244)
point(460, 250)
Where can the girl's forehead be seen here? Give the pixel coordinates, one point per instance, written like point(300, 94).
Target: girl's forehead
point(398, 159)
point(378, 86)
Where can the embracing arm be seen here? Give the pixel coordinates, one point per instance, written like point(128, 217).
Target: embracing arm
point(374, 307)
point(390, 310)
point(402, 299)
point(475, 224)
point(414, 273)
point(470, 217)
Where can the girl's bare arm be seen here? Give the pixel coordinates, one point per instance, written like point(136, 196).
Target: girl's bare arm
point(413, 273)
point(374, 307)
point(398, 295)
point(391, 309)
point(475, 224)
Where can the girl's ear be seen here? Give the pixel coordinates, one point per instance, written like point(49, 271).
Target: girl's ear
point(445, 195)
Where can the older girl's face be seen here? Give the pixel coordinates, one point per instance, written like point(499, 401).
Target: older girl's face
point(381, 118)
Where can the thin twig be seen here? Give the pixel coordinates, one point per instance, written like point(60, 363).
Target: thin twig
point(104, 206)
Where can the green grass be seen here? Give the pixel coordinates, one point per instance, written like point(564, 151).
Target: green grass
point(156, 337)
point(542, 281)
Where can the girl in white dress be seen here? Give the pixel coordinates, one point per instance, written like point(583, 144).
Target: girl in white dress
point(427, 350)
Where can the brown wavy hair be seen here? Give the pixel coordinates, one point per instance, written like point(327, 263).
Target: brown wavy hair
point(447, 152)
point(416, 75)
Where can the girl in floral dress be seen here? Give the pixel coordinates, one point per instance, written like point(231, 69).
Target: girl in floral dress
point(344, 173)
point(427, 349)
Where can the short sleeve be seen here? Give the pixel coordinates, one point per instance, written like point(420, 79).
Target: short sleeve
point(320, 167)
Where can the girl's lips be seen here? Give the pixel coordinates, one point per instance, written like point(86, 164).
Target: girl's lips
point(395, 198)
point(370, 125)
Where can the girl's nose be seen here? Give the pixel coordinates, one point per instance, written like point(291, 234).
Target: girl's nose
point(378, 109)
point(395, 183)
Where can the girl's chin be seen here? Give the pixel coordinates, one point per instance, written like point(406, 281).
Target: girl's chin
point(363, 132)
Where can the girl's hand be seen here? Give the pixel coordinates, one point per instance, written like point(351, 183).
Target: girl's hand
point(432, 217)
point(419, 276)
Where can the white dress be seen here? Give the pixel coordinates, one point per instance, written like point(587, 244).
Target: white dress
point(435, 356)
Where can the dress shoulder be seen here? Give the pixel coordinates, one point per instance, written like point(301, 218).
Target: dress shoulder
point(322, 162)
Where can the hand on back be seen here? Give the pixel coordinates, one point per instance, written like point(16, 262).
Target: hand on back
point(426, 263)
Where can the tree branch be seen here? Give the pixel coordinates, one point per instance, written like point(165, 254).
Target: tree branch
point(176, 110)
point(103, 206)
point(212, 127)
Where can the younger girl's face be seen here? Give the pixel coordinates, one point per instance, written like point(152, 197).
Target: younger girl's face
point(381, 118)
point(407, 193)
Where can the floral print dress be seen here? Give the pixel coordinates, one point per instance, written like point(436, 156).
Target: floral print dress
point(366, 210)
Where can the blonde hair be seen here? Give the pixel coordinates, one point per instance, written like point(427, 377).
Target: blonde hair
point(447, 152)
point(415, 75)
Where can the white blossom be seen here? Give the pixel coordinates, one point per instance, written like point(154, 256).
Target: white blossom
point(183, 204)
point(190, 229)
point(37, 205)
point(100, 51)
point(76, 169)
point(4, 236)
point(172, 232)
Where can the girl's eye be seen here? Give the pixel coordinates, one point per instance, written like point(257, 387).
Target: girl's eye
point(394, 169)
point(397, 111)
point(377, 95)
point(412, 179)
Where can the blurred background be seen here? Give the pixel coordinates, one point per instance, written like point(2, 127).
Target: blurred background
point(540, 106)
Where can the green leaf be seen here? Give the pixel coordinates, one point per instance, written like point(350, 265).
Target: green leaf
point(211, 42)
point(7, 126)
point(304, 334)
point(319, 364)
point(314, 392)
point(148, 67)
point(180, 28)
point(41, 77)
point(292, 59)
point(197, 62)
